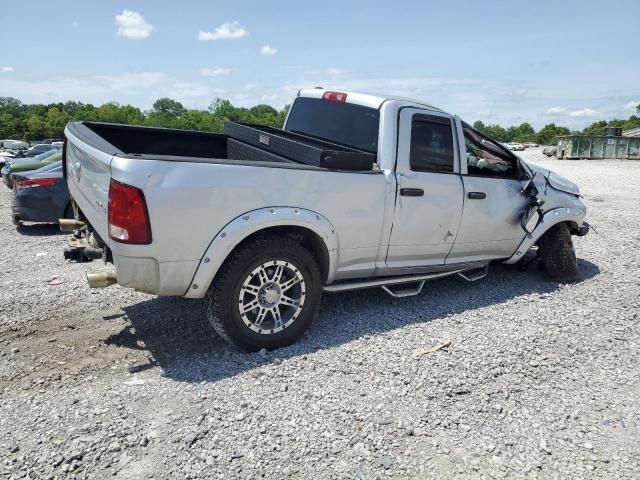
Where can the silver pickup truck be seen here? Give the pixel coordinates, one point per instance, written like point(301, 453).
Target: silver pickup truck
point(356, 191)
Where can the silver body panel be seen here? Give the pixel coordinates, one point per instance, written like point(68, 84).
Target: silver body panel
point(199, 211)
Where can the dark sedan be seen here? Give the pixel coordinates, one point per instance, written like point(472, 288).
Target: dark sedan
point(41, 195)
point(28, 164)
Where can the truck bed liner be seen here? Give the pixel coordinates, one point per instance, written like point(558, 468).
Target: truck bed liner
point(133, 139)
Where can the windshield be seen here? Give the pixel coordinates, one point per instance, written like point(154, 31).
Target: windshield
point(344, 123)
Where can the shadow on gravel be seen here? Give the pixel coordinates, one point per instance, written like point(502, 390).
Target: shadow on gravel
point(176, 333)
point(39, 229)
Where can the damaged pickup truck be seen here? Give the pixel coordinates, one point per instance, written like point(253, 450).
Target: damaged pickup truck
point(356, 191)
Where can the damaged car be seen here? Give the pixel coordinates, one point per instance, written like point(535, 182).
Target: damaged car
point(355, 191)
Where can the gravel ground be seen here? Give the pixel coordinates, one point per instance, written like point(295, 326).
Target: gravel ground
point(540, 379)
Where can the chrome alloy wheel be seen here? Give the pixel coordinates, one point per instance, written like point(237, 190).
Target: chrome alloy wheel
point(272, 297)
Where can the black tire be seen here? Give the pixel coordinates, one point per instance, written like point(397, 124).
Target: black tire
point(558, 255)
point(224, 302)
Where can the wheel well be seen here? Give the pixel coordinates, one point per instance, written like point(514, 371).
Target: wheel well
point(305, 237)
point(572, 226)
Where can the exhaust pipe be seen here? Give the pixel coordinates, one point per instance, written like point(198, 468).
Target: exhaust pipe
point(101, 279)
point(69, 224)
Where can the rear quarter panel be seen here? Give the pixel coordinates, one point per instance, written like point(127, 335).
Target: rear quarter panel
point(190, 203)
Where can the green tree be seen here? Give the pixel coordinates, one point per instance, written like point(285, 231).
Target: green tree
point(478, 125)
point(54, 122)
point(225, 110)
point(169, 107)
point(496, 132)
point(524, 133)
point(549, 134)
point(11, 118)
point(35, 128)
point(596, 128)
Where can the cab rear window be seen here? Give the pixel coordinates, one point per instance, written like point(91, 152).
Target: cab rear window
point(347, 124)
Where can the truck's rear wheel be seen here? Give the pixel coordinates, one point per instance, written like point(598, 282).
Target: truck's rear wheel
point(558, 255)
point(265, 295)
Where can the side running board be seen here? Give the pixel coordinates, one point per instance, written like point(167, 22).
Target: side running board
point(400, 287)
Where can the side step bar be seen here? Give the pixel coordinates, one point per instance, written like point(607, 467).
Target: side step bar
point(404, 292)
point(387, 284)
point(475, 274)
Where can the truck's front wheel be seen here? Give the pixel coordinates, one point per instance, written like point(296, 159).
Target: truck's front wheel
point(558, 254)
point(265, 295)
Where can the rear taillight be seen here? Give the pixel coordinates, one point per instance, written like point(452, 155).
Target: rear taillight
point(335, 96)
point(128, 217)
point(35, 182)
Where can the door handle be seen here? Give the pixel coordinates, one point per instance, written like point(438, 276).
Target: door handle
point(476, 195)
point(411, 192)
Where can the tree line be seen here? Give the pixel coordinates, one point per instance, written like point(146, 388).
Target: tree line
point(20, 121)
point(29, 122)
point(549, 134)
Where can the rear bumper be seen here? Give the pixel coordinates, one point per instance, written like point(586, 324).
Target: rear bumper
point(150, 276)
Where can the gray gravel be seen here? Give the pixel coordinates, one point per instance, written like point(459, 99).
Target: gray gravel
point(540, 379)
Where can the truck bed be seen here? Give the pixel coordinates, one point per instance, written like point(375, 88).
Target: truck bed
point(193, 187)
point(281, 147)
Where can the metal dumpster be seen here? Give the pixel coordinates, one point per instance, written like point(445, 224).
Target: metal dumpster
point(600, 146)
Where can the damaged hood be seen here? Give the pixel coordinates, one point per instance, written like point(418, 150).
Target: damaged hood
point(558, 182)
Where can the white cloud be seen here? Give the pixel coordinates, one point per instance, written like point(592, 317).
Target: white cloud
point(138, 88)
point(335, 72)
point(226, 31)
point(632, 105)
point(6, 69)
point(251, 86)
point(555, 111)
point(270, 98)
point(215, 71)
point(132, 25)
point(584, 112)
point(268, 50)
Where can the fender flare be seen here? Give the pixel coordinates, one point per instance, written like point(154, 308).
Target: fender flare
point(549, 219)
point(238, 229)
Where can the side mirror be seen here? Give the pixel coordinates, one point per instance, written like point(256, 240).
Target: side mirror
point(530, 218)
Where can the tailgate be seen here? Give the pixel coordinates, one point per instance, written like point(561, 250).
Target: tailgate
point(88, 171)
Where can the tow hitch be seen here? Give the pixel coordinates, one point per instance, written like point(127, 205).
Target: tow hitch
point(80, 250)
point(82, 245)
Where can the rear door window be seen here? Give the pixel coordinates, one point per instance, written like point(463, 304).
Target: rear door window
point(344, 123)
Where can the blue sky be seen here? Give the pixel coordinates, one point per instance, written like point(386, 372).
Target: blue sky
point(499, 61)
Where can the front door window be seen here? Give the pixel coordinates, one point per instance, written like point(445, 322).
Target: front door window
point(487, 158)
